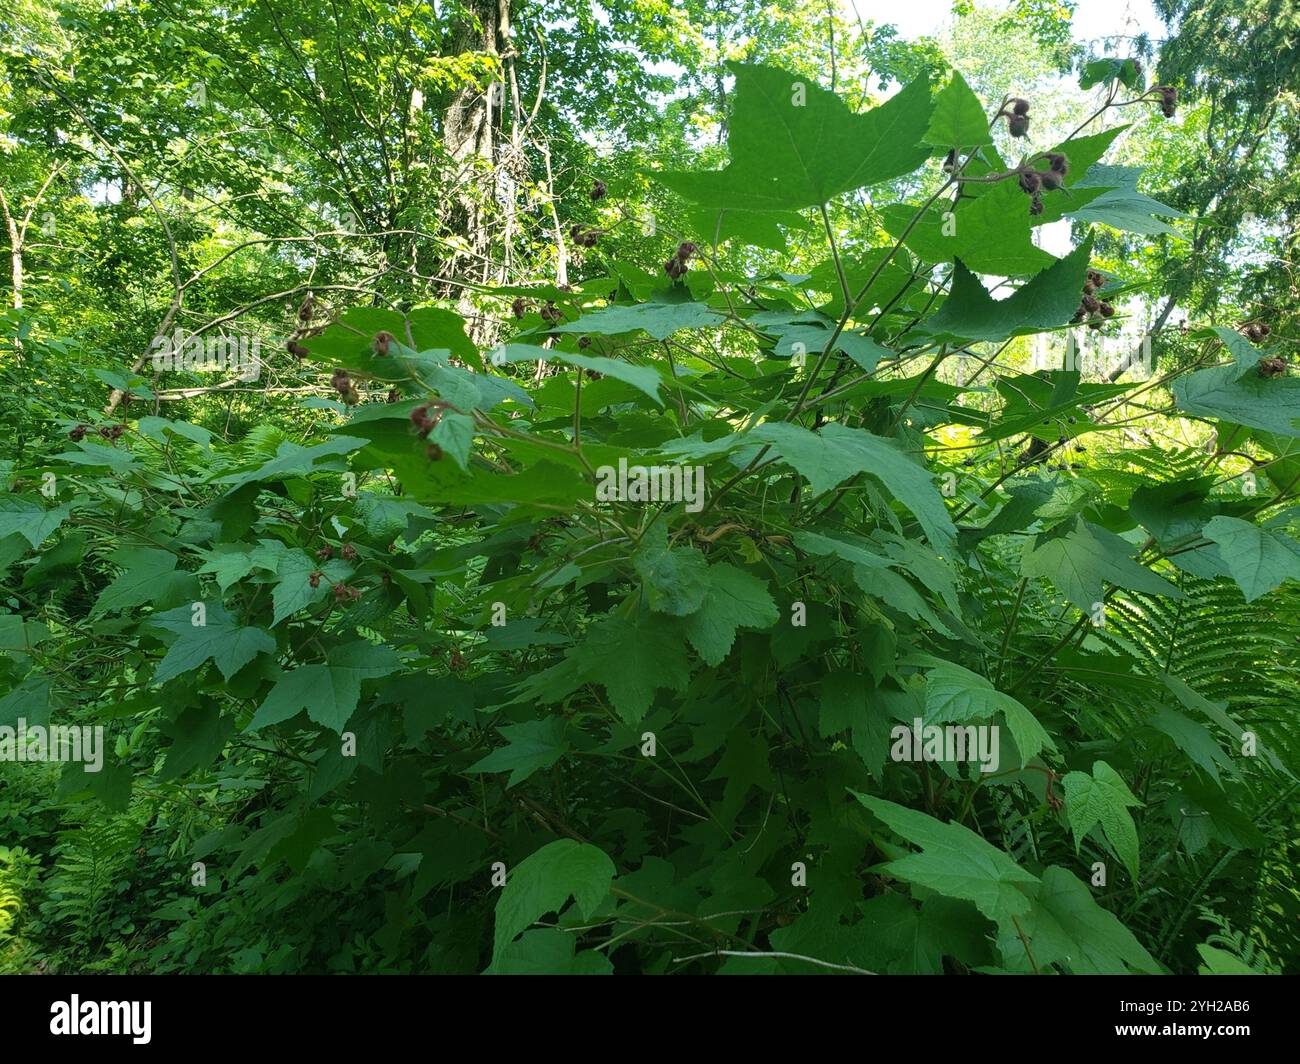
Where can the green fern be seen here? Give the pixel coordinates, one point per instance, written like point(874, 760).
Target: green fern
point(90, 859)
point(1244, 654)
point(19, 875)
point(1237, 943)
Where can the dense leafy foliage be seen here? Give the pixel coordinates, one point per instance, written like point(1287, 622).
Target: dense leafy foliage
point(593, 614)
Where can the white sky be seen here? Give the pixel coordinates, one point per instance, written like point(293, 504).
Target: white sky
point(1092, 18)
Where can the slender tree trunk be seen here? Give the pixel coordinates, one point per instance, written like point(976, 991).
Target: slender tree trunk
point(1132, 357)
point(470, 132)
point(15, 252)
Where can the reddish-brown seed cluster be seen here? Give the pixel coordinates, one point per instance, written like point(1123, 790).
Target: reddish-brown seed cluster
point(305, 330)
point(519, 307)
point(348, 553)
point(381, 342)
point(584, 341)
point(1057, 162)
point(1017, 117)
point(551, 313)
point(425, 416)
point(342, 384)
point(433, 453)
point(1272, 366)
point(78, 433)
point(598, 190)
point(584, 236)
point(676, 266)
point(313, 578)
point(394, 394)
point(325, 553)
point(345, 593)
point(1091, 309)
point(1035, 182)
point(457, 661)
point(112, 433)
point(1168, 96)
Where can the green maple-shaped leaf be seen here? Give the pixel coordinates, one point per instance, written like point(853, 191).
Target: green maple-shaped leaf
point(1193, 739)
point(385, 516)
point(958, 120)
point(533, 745)
point(294, 460)
point(744, 766)
point(293, 588)
point(1103, 798)
point(954, 694)
point(1121, 204)
point(765, 229)
point(794, 144)
point(1223, 392)
point(328, 692)
point(734, 600)
point(1100, 71)
point(851, 549)
point(198, 735)
point(220, 638)
point(990, 234)
point(454, 433)
point(1082, 152)
point(1083, 559)
point(148, 576)
point(842, 702)
point(659, 320)
point(631, 659)
point(837, 452)
point(544, 880)
point(348, 341)
point(897, 938)
point(1259, 559)
point(814, 337)
point(954, 861)
point(29, 519)
point(676, 580)
point(33, 699)
point(613, 320)
point(1065, 926)
point(1046, 301)
point(229, 562)
point(1245, 355)
point(548, 951)
point(830, 456)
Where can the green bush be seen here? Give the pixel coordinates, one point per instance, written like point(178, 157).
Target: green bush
point(460, 672)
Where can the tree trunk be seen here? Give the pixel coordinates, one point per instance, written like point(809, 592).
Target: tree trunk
point(469, 130)
point(1131, 359)
point(15, 252)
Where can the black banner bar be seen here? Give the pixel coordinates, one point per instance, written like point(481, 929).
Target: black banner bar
point(336, 1013)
